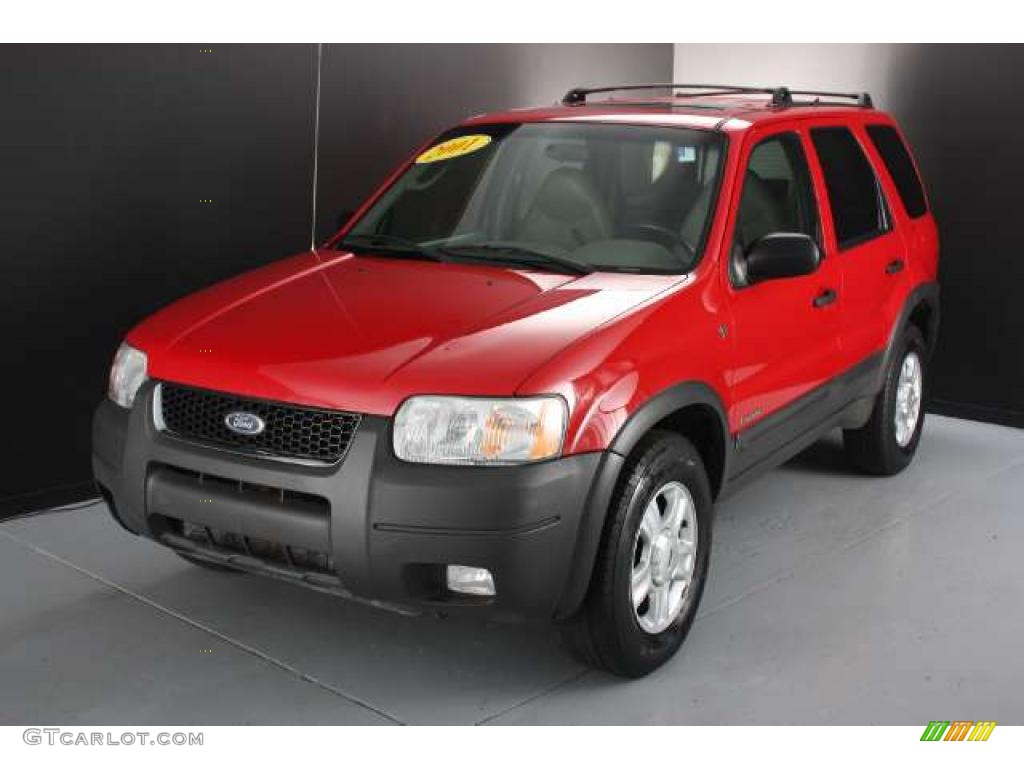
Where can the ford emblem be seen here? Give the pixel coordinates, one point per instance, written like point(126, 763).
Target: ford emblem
point(244, 423)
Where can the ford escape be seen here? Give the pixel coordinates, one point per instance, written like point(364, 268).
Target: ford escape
point(518, 378)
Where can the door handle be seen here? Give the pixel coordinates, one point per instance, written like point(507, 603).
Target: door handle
point(894, 266)
point(824, 298)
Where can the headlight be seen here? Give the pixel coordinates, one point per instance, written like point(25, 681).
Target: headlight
point(469, 430)
point(127, 374)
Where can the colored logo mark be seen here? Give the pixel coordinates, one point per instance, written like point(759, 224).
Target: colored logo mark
point(958, 730)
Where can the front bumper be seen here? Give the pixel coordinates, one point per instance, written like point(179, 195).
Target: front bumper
point(371, 527)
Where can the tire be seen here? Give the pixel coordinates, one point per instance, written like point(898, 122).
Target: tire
point(607, 632)
point(876, 448)
point(207, 564)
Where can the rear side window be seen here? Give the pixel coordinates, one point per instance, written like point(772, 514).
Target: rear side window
point(897, 160)
point(858, 209)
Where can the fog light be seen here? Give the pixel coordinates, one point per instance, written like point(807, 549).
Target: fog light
point(470, 581)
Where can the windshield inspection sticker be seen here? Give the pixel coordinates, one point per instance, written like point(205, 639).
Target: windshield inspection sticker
point(460, 145)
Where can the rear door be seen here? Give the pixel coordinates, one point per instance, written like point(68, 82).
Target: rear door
point(860, 236)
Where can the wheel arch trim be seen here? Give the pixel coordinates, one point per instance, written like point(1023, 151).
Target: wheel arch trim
point(926, 294)
point(662, 406)
point(643, 420)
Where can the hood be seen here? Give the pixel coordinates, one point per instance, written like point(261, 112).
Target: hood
point(362, 333)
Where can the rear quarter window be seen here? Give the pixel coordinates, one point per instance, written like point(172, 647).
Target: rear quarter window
point(858, 208)
point(897, 161)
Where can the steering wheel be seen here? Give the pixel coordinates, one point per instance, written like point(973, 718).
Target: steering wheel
point(667, 238)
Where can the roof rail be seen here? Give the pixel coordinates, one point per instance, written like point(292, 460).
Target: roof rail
point(578, 96)
point(862, 98)
point(781, 95)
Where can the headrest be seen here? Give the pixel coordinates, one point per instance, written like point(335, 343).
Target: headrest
point(567, 194)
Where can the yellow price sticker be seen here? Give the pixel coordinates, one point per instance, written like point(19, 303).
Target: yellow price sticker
point(460, 145)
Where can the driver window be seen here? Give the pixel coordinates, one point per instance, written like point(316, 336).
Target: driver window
point(777, 192)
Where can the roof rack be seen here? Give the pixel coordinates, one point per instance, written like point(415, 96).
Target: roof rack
point(781, 95)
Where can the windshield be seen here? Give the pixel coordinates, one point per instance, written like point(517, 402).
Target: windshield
point(562, 196)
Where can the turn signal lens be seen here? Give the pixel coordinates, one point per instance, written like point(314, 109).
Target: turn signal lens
point(127, 374)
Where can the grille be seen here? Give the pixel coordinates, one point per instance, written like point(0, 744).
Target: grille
point(290, 432)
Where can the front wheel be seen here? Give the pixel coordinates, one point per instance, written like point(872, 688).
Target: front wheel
point(652, 564)
point(887, 443)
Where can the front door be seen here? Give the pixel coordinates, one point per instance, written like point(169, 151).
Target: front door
point(785, 331)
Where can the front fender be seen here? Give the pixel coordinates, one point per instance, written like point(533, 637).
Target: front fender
point(655, 410)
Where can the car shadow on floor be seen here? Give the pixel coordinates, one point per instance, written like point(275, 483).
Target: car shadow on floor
point(427, 668)
point(823, 457)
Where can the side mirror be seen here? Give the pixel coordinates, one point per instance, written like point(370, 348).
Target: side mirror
point(343, 217)
point(780, 255)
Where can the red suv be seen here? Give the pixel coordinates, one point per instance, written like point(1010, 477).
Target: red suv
point(519, 377)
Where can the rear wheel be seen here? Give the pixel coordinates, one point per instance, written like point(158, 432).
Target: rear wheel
point(653, 561)
point(887, 443)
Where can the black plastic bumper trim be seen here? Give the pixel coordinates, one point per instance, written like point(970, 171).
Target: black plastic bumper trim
point(514, 531)
point(389, 527)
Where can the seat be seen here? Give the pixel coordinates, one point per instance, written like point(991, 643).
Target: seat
point(760, 214)
point(567, 212)
point(760, 211)
point(694, 222)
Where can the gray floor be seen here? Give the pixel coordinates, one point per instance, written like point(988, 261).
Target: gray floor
point(833, 598)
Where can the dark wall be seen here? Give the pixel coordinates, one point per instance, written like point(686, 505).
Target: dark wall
point(107, 152)
point(962, 109)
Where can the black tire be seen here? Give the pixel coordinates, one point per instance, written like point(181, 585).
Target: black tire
point(207, 564)
point(605, 633)
point(873, 448)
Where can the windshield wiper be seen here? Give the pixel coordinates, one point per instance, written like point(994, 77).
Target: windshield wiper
point(391, 244)
point(516, 254)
